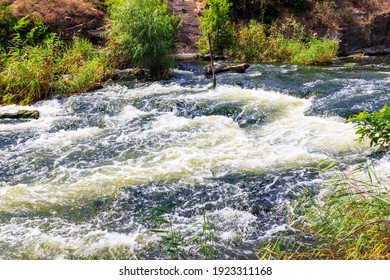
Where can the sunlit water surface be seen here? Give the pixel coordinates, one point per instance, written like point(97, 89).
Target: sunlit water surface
point(80, 181)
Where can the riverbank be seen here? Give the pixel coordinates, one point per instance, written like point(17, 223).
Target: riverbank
point(25, 49)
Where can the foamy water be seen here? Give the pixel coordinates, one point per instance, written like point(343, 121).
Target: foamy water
point(78, 182)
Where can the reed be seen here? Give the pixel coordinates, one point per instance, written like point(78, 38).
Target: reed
point(350, 221)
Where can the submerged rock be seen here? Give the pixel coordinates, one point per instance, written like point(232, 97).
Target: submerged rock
point(128, 74)
point(222, 67)
point(21, 114)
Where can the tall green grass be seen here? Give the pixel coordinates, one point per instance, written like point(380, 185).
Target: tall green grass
point(349, 221)
point(31, 73)
point(257, 42)
point(80, 68)
point(35, 64)
point(28, 72)
point(142, 35)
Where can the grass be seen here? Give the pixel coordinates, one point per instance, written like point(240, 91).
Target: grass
point(142, 35)
point(36, 64)
point(350, 221)
point(257, 42)
point(27, 73)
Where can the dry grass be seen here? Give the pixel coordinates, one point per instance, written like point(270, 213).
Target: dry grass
point(66, 17)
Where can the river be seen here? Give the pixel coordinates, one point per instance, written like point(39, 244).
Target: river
point(78, 182)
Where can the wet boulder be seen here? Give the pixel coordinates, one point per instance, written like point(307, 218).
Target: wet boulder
point(21, 114)
point(221, 67)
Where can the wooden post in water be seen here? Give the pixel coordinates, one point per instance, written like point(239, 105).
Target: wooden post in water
point(212, 62)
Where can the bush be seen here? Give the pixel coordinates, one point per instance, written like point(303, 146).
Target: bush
point(350, 221)
point(7, 21)
point(374, 126)
point(33, 73)
point(327, 14)
point(316, 50)
point(35, 64)
point(216, 22)
point(267, 10)
point(255, 42)
point(142, 35)
point(250, 42)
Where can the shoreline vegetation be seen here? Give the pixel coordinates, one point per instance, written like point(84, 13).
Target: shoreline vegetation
point(37, 64)
point(350, 218)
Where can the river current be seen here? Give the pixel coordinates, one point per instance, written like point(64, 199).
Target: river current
point(78, 182)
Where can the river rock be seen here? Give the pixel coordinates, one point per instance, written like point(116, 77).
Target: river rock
point(21, 114)
point(222, 67)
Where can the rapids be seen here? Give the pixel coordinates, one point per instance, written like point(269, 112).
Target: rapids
point(78, 182)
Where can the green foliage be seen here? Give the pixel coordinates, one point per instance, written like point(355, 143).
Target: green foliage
point(316, 50)
point(327, 13)
point(19, 33)
point(350, 221)
point(255, 42)
point(266, 10)
point(175, 241)
point(216, 22)
point(35, 72)
point(374, 126)
point(79, 69)
point(142, 34)
point(251, 42)
point(27, 73)
point(6, 23)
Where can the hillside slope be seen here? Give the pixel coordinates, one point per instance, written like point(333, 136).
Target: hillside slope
point(360, 25)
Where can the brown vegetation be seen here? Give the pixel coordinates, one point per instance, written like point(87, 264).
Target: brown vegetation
point(66, 17)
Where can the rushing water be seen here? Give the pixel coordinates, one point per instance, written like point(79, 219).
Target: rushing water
point(79, 181)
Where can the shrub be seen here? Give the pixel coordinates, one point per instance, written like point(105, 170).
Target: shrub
point(33, 73)
point(267, 10)
point(327, 14)
point(215, 21)
point(284, 43)
point(142, 32)
point(35, 64)
point(316, 50)
point(374, 126)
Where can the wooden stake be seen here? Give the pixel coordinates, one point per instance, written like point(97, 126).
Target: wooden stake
point(212, 63)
